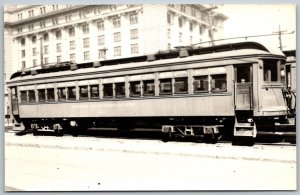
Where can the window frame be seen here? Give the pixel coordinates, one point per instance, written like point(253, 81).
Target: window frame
point(213, 90)
point(186, 85)
point(160, 86)
point(207, 83)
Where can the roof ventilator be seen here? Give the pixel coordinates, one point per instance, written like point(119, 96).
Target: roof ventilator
point(96, 64)
point(73, 67)
point(151, 57)
point(183, 52)
point(33, 72)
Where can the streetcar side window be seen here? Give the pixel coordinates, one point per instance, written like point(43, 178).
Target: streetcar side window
point(71, 93)
point(181, 85)
point(120, 89)
point(218, 83)
point(83, 92)
point(149, 87)
point(94, 91)
point(107, 90)
point(135, 88)
point(31, 95)
point(200, 84)
point(42, 95)
point(23, 96)
point(61, 93)
point(50, 94)
point(165, 86)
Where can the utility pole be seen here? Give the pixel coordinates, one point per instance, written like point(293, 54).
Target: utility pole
point(280, 33)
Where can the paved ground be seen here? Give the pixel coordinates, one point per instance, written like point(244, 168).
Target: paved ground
point(49, 163)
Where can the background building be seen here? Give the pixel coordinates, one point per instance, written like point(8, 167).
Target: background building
point(38, 35)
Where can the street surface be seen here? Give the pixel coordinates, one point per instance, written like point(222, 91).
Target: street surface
point(50, 163)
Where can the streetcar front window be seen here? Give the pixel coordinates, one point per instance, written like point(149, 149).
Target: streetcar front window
point(271, 70)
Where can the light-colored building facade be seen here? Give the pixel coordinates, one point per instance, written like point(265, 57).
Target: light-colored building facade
point(39, 35)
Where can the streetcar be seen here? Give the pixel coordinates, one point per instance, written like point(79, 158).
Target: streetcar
point(229, 90)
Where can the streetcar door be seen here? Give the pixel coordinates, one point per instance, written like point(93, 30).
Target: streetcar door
point(243, 87)
point(14, 101)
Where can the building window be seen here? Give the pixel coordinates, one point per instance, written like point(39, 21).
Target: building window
point(86, 55)
point(101, 53)
point(117, 51)
point(46, 49)
point(169, 33)
point(149, 87)
point(201, 29)
point(134, 48)
point(86, 42)
point(200, 84)
point(43, 10)
point(107, 90)
point(72, 57)
point(42, 95)
point(120, 89)
point(72, 32)
point(180, 37)
point(23, 41)
point(58, 34)
point(23, 64)
point(34, 63)
point(133, 18)
point(55, 21)
point(58, 59)
point(182, 8)
point(94, 91)
point(169, 46)
point(20, 29)
point(101, 40)
point(218, 83)
point(72, 45)
point(55, 7)
point(20, 16)
point(68, 18)
point(34, 51)
point(117, 37)
point(191, 40)
point(165, 86)
point(116, 22)
point(181, 85)
point(180, 22)
point(83, 92)
point(46, 37)
point(33, 39)
point(46, 60)
point(191, 26)
point(85, 29)
point(135, 88)
point(42, 24)
point(100, 25)
point(23, 53)
point(193, 12)
point(30, 26)
point(169, 18)
point(134, 33)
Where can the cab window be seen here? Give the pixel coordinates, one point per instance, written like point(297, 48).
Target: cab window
point(270, 70)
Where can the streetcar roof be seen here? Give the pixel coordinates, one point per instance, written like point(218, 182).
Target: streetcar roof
point(257, 51)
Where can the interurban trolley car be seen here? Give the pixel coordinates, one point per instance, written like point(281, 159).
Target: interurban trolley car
point(231, 90)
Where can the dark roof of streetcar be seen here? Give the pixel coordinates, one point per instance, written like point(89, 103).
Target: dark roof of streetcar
point(175, 53)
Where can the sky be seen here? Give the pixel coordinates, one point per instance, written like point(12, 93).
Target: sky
point(261, 19)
